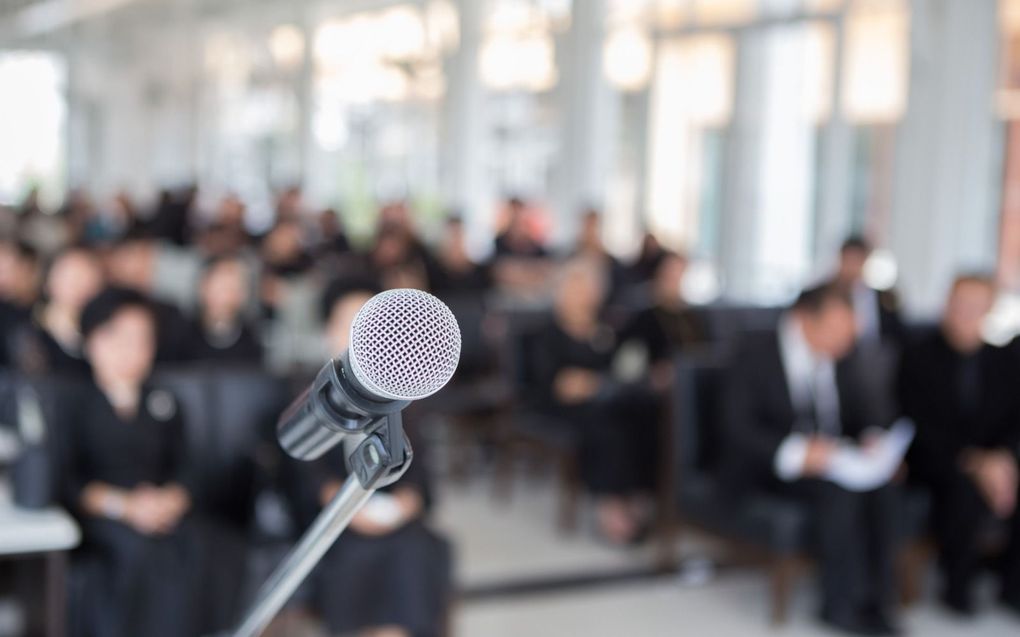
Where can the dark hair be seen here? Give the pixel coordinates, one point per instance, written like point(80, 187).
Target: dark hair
point(856, 242)
point(107, 304)
point(343, 287)
point(668, 255)
point(815, 299)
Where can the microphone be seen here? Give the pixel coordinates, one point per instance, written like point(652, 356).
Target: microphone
point(404, 346)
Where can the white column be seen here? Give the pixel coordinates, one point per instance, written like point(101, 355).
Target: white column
point(588, 124)
point(836, 166)
point(948, 161)
point(739, 223)
point(76, 134)
point(306, 93)
point(464, 131)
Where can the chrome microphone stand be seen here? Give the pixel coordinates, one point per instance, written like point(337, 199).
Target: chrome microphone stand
point(380, 460)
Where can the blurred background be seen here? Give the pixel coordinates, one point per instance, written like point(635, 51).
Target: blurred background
point(251, 168)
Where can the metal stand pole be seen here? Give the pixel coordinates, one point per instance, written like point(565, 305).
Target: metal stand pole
point(303, 558)
point(380, 460)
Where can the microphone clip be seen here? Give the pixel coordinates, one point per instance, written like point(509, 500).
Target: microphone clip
point(384, 455)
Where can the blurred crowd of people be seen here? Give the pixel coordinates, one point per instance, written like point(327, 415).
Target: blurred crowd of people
point(97, 302)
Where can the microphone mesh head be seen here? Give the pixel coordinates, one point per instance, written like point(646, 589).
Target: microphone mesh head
point(405, 345)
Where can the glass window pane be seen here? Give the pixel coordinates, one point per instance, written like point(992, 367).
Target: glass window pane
point(691, 97)
point(32, 114)
point(876, 62)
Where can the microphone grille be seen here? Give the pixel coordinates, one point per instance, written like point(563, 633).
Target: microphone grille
point(405, 344)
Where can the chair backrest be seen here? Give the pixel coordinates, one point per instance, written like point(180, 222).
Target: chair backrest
point(522, 360)
point(697, 402)
point(228, 411)
point(476, 353)
point(726, 323)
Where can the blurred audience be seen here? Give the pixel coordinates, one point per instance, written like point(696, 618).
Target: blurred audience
point(220, 331)
point(669, 326)
point(617, 424)
point(389, 576)
point(456, 272)
point(184, 285)
point(51, 342)
point(129, 481)
point(877, 311)
point(792, 396)
point(962, 394)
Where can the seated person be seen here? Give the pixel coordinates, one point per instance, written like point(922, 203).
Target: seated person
point(220, 331)
point(129, 482)
point(387, 576)
point(877, 311)
point(962, 395)
point(790, 398)
point(650, 256)
point(517, 240)
point(617, 424)
point(591, 246)
point(520, 261)
point(133, 264)
point(455, 272)
point(52, 344)
point(668, 326)
point(19, 290)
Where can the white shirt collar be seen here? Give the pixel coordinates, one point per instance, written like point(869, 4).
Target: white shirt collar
point(800, 362)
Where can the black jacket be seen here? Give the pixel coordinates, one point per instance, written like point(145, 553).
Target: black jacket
point(758, 412)
point(930, 389)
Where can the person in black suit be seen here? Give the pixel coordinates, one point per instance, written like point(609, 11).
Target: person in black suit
point(220, 331)
point(791, 396)
point(877, 311)
point(962, 395)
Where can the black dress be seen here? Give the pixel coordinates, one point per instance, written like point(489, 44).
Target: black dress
point(617, 428)
point(400, 579)
point(128, 584)
point(35, 352)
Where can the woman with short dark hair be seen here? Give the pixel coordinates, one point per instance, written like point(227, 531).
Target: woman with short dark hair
point(129, 482)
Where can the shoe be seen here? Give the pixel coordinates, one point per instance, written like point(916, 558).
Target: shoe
point(856, 624)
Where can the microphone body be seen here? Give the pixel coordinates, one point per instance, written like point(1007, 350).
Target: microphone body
point(333, 407)
point(404, 346)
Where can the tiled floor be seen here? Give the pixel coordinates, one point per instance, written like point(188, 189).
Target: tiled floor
point(499, 542)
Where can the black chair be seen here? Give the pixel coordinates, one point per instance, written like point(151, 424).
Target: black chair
point(229, 412)
point(530, 432)
point(725, 323)
point(478, 393)
point(772, 526)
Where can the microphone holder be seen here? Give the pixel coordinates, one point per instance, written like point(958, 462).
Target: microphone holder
point(380, 460)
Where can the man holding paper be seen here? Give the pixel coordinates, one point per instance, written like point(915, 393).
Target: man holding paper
point(801, 421)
